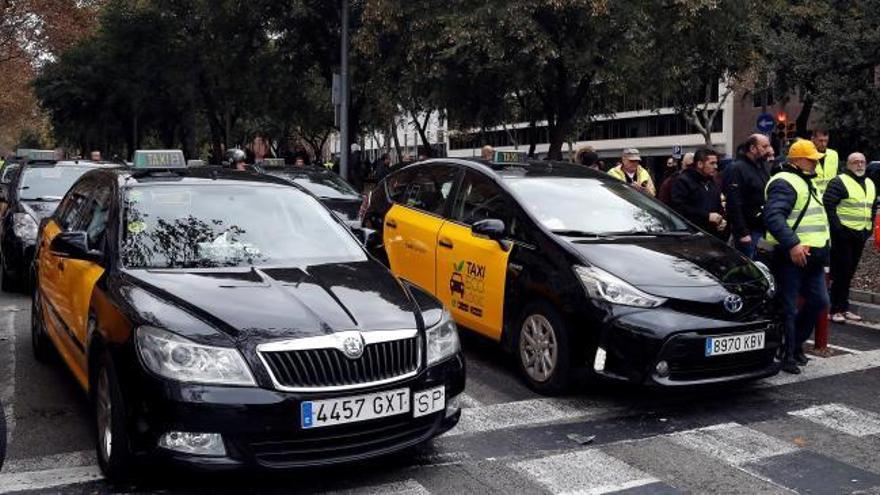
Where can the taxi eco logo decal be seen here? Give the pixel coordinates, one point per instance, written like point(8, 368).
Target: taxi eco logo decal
point(467, 287)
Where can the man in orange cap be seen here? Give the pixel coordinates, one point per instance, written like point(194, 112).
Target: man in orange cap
point(798, 228)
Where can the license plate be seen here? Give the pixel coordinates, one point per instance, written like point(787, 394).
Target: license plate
point(732, 344)
point(316, 414)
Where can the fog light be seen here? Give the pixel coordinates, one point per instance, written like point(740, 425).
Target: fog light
point(207, 444)
point(599, 362)
point(662, 369)
point(453, 405)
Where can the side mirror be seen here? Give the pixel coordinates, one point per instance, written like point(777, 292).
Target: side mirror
point(75, 246)
point(489, 228)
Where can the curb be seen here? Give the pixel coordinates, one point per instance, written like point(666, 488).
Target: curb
point(863, 296)
point(868, 311)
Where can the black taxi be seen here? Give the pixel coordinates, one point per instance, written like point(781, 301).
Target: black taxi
point(222, 319)
point(571, 270)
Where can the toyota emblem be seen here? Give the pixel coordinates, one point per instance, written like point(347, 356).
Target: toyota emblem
point(353, 347)
point(733, 303)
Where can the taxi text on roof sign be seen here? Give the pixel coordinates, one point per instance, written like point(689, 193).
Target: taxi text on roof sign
point(36, 154)
point(158, 159)
point(510, 157)
point(272, 162)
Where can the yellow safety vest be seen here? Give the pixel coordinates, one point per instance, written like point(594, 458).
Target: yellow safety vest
point(855, 210)
point(826, 172)
point(642, 175)
point(813, 230)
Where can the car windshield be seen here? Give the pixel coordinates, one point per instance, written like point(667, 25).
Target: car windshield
point(324, 184)
point(48, 183)
point(212, 226)
point(587, 206)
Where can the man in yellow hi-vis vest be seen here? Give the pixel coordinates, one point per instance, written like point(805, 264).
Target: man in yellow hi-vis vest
point(828, 165)
point(851, 203)
point(798, 228)
point(633, 173)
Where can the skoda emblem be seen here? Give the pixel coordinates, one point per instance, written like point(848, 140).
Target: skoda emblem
point(353, 347)
point(733, 303)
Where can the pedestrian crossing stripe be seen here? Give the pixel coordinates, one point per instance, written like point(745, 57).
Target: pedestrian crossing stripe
point(854, 422)
point(588, 471)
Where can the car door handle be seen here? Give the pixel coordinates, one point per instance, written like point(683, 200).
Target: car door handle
point(445, 243)
point(391, 224)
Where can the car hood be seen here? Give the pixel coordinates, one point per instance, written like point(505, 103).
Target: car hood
point(272, 303)
point(40, 209)
point(682, 267)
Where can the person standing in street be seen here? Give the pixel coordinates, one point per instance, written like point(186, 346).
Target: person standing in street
point(664, 194)
point(828, 165)
point(696, 197)
point(743, 185)
point(851, 204)
point(633, 173)
point(797, 227)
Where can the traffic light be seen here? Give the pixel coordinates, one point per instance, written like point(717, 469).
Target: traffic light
point(780, 131)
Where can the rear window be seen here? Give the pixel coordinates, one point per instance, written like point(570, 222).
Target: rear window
point(424, 188)
point(48, 183)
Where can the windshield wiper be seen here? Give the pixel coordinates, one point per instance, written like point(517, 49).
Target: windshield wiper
point(578, 233)
point(43, 198)
point(665, 233)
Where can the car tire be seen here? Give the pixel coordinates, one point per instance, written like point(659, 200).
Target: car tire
point(111, 436)
point(542, 349)
point(44, 352)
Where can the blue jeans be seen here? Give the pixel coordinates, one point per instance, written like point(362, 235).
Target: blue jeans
point(809, 283)
point(750, 250)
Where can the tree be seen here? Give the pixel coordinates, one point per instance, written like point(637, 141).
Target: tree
point(693, 46)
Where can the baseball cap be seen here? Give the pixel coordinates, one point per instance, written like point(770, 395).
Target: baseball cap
point(632, 154)
point(804, 149)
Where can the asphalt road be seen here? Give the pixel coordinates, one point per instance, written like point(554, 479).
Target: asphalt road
point(818, 432)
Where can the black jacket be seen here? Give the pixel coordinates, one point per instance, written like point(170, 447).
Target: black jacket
point(695, 197)
point(743, 184)
point(781, 198)
point(834, 194)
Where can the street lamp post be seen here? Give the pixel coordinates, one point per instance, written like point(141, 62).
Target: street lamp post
point(343, 120)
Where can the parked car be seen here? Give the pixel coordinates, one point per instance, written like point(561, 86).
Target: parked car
point(571, 270)
point(224, 319)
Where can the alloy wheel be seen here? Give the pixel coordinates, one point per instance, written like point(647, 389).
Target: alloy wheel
point(538, 348)
point(104, 411)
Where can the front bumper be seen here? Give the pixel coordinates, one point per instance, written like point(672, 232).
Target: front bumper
point(636, 341)
point(261, 427)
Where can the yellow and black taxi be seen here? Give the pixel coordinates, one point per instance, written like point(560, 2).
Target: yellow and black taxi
point(30, 193)
point(573, 271)
point(222, 319)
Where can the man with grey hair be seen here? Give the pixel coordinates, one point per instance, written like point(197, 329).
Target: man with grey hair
point(487, 153)
point(850, 201)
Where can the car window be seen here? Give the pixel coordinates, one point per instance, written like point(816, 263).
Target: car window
point(95, 214)
point(397, 184)
point(46, 183)
point(480, 198)
point(323, 184)
point(428, 189)
point(75, 205)
point(9, 173)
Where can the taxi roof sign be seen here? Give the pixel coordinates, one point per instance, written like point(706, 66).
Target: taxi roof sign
point(272, 162)
point(510, 157)
point(32, 154)
point(158, 159)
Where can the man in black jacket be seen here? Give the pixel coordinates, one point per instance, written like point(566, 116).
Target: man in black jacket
point(744, 182)
point(696, 197)
point(851, 204)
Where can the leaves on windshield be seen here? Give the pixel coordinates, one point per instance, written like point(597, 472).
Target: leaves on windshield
point(187, 242)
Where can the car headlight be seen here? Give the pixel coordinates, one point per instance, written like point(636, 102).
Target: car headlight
point(442, 339)
point(176, 358)
point(606, 287)
point(24, 226)
point(768, 275)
